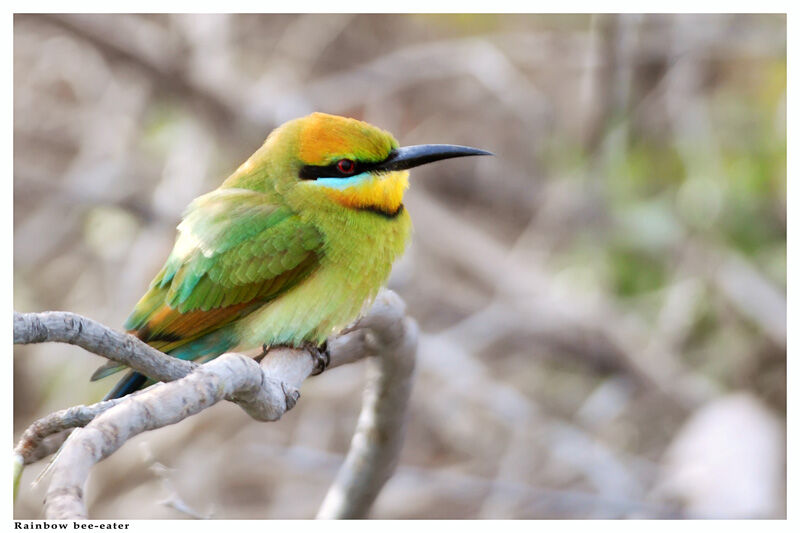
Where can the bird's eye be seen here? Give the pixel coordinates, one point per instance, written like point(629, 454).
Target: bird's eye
point(346, 166)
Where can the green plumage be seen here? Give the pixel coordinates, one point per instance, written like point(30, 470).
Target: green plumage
point(289, 249)
point(268, 258)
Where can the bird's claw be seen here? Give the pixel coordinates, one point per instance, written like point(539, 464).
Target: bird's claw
point(321, 356)
point(290, 394)
point(265, 348)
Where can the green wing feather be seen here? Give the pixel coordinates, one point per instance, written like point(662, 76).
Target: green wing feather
point(235, 251)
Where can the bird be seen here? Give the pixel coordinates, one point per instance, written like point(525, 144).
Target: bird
point(289, 249)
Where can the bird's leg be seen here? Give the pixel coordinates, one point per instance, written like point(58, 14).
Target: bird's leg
point(322, 357)
point(265, 348)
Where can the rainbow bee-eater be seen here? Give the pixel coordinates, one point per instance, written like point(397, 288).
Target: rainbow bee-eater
point(288, 250)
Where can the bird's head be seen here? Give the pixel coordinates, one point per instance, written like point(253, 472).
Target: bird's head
point(330, 160)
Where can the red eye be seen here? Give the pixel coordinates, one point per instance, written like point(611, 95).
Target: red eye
point(346, 166)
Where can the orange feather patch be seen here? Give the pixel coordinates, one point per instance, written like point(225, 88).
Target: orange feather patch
point(326, 138)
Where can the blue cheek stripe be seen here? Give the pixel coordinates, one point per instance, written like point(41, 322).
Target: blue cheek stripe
point(342, 183)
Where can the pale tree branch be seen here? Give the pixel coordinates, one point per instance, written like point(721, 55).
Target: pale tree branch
point(265, 391)
point(32, 446)
point(378, 438)
point(57, 326)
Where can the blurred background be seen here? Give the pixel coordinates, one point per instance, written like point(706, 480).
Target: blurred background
point(602, 304)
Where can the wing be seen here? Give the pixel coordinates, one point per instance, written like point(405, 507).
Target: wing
point(234, 252)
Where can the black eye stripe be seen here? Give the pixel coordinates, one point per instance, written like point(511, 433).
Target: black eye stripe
point(312, 172)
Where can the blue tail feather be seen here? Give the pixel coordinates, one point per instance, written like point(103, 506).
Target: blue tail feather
point(132, 382)
point(206, 347)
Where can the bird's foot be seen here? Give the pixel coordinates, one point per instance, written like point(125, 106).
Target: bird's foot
point(265, 348)
point(321, 356)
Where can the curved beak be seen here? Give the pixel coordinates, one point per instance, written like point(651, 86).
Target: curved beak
point(413, 156)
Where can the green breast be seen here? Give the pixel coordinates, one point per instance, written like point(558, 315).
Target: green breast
point(360, 248)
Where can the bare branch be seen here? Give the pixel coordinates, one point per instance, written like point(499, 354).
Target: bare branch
point(32, 447)
point(57, 326)
point(264, 391)
point(378, 438)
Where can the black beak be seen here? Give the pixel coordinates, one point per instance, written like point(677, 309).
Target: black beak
point(413, 156)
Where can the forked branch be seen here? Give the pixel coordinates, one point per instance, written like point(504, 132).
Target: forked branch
point(265, 391)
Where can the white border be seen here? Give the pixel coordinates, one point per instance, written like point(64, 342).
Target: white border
point(496, 6)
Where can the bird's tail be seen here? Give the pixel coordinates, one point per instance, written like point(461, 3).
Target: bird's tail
point(200, 350)
point(131, 382)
